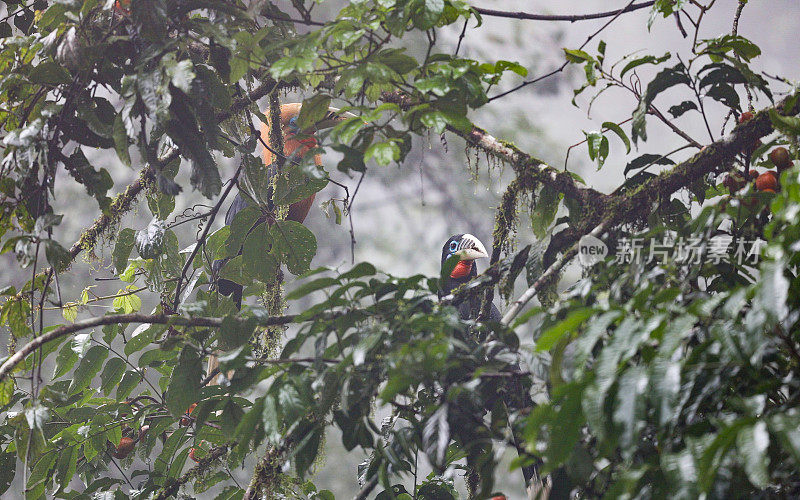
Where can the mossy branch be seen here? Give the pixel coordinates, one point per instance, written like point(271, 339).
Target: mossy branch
point(627, 207)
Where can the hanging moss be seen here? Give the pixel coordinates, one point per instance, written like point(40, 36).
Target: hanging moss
point(505, 225)
point(106, 223)
point(267, 340)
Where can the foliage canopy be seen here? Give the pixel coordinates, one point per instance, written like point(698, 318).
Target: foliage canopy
point(652, 378)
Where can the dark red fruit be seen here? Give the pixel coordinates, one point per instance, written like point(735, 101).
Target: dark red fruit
point(124, 448)
point(781, 159)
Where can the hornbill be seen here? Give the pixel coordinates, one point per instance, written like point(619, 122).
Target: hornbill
point(296, 143)
point(467, 248)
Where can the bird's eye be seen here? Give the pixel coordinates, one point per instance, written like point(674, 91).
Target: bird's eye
point(453, 246)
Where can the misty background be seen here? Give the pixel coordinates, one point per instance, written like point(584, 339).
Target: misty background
point(402, 214)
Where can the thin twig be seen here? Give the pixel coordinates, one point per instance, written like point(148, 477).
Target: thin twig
point(561, 17)
point(616, 15)
point(367, 489)
point(551, 271)
point(201, 240)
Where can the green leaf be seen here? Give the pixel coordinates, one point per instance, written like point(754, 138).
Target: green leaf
point(160, 204)
point(141, 337)
point(122, 249)
point(787, 124)
point(246, 429)
point(49, 73)
point(7, 388)
point(360, 270)
point(88, 368)
point(647, 160)
point(577, 56)
point(127, 302)
point(620, 133)
point(667, 78)
point(181, 73)
point(40, 474)
point(399, 62)
point(233, 270)
point(150, 241)
point(382, 152)
point(294, 185)
point(231, 493)
point(752, 443)
point(121, 141)
point(184, 384)
point(311, 286)
point(242, 223)
point(313, 110)
point(128, 383)
point(649, 59)
point(58, 256)
point(630, 406)
point(566, 326)
point(185, 133)
point(171, 445)
point(69, 312)
point(96, 182)
point(436, 437)
point(773, 291)
point(112, 374)
point(545, 211)
point(666, 8)
point(7, 470)
point(257, 259)
point(434, 120)
point(306, 451)
point(235, 333)
point(294, 244)
point(679, 109)
point(725, 94)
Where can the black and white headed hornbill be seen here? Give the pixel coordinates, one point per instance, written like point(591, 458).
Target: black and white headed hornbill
point(296, 144)
point(467, 248)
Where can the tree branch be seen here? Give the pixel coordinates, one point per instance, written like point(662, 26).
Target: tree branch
point(624, 207)
point(561, 68)
point(161, 319)
point(560, 17)
point(202, 239)
point(526, 166)
point(367, 489)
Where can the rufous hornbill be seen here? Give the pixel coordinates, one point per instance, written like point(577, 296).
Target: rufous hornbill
point(296, 144)
point(467, 248)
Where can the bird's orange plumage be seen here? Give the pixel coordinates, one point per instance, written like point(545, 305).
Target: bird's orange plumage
point(297, 211)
